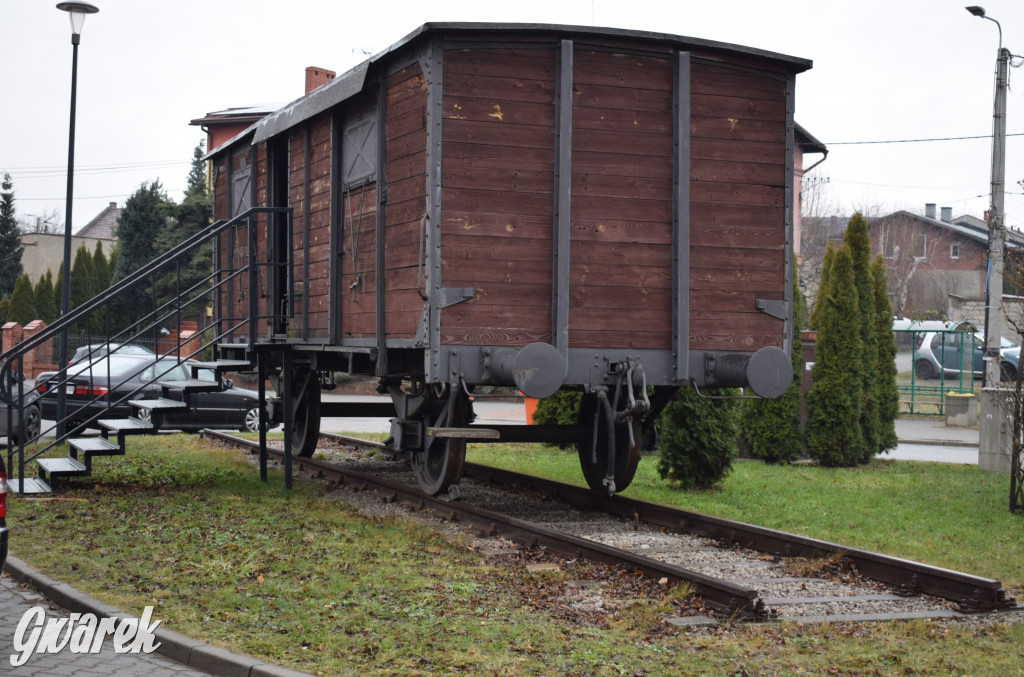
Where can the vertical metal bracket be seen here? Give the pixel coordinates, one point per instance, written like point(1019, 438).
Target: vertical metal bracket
point(681, 220)
point(563, 201)
point(433, 359)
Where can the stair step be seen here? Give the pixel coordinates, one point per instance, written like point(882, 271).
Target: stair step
point(230, 350)
point(159, 403)
point(95, 446)
point(31, 485)
point(223, 365)
point(191, 385)
point(61, 466)
point(126, 426)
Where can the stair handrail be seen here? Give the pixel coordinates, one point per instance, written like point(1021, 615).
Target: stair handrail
point(214, 230)
point(251, 266)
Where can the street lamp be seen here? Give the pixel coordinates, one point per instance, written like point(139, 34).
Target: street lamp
point(991, 430)
point(76, 11)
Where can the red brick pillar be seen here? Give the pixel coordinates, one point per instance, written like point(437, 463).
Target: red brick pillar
point(168, 343)
point(40, 358)
point(13, 334)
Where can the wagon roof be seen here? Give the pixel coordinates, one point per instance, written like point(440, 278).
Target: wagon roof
point(352, 82)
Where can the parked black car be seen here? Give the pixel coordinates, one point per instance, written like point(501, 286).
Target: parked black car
point(31, 415)
point(96, 387)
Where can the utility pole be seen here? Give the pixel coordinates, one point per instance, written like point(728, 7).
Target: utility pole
point(994, 448)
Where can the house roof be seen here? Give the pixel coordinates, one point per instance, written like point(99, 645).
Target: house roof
point(808, 143)
point(966, 226)
point(351, 83)
point(243, 114)
point(103, 225)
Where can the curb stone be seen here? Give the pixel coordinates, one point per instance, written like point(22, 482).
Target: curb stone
point(175, 646)
point(940, 443)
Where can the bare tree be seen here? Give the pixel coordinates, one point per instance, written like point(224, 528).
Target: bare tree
point(908, 247)
point(50, 221)
point(819, 226)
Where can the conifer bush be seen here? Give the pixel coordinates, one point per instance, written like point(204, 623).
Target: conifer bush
point(857, 240)
point(23, 302)
point(887, 394)
point(833, 433)
point(698, 438)
point(826, 271)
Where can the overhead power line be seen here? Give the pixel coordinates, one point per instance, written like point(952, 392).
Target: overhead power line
point(945, 138)
point(89, 197)
point(49, 172)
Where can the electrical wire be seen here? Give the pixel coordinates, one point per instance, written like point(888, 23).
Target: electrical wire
point(946, 138)
point(89, 197)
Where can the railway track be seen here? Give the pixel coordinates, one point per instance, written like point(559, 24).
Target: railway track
point(739, 570)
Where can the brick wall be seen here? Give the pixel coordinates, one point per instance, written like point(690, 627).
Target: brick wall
point(35, 361)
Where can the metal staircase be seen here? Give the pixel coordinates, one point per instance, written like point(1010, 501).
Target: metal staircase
point(233, 288)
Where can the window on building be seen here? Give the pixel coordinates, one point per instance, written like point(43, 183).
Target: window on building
point(889, 248)
point(920, 246)
point(954, 250)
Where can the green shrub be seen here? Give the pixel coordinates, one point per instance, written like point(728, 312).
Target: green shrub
point(698, 438)
point(562, 408)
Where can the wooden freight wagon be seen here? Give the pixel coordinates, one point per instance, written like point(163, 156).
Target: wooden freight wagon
point(522, 205)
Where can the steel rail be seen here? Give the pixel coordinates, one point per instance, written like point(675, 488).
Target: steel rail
point(972, 593)
point(732, 600)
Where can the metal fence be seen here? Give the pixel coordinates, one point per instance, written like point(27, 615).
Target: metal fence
point(944, 360)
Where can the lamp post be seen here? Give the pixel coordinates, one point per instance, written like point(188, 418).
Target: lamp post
point(991, 442)
point(76, 11)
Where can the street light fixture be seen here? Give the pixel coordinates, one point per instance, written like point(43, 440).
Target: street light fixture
point(991, 442)
point(76, 12)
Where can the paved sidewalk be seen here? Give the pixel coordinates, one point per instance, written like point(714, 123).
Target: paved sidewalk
point(934, 431)
point(177, 655)
point(16, 600)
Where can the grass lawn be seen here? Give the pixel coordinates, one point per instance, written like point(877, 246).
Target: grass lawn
point(300, 580)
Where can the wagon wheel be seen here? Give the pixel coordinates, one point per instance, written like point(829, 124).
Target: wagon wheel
point(439, 465)
point(305, 427)
point(595, 461)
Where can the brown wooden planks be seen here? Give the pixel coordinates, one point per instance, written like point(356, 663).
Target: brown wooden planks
point(405, 130)
point(622, 191)
point(737, 219)
point(498, 182)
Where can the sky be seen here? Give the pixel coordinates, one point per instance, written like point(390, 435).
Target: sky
point(892, 70)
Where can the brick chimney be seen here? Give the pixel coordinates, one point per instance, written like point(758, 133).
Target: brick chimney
point(316, 77)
